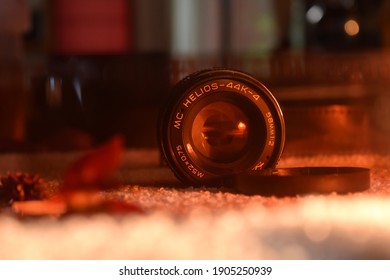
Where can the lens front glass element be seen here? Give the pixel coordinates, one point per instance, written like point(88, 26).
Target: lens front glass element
point(220, 132)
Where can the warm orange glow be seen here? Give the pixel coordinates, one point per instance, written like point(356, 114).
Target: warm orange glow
point(351, 27)
point(241, 126)
point(189, 148)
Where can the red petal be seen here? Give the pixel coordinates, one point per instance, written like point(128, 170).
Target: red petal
point(93, 169)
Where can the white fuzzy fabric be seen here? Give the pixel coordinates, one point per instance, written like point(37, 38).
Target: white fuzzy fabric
point(190, 223)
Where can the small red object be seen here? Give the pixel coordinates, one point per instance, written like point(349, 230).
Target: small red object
point(93, 169)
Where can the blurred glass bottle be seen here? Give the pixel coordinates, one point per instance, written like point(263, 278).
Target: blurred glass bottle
point(85, 36)
point(14, 21)
point(106, 68)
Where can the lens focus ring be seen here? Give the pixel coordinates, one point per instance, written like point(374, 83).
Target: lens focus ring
point(219, 122)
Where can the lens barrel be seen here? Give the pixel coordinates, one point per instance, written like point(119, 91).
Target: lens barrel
point(217, 123)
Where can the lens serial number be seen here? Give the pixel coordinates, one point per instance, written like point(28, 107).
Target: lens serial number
point(242, 270)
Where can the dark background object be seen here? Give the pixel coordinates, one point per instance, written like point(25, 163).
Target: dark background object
point(122, 57)
point(103, 95)
point(347, 25)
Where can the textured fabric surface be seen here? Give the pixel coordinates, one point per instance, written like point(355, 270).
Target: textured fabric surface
point(204, 223)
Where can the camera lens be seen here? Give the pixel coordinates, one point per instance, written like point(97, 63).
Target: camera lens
point(220, 122)
point(220, 132)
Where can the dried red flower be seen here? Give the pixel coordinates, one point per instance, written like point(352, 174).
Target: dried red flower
point(19, 187)
point(82, 185)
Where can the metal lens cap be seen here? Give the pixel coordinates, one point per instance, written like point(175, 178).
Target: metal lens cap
point(303, 180)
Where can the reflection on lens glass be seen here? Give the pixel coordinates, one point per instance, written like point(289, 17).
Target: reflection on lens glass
point(220, 132)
